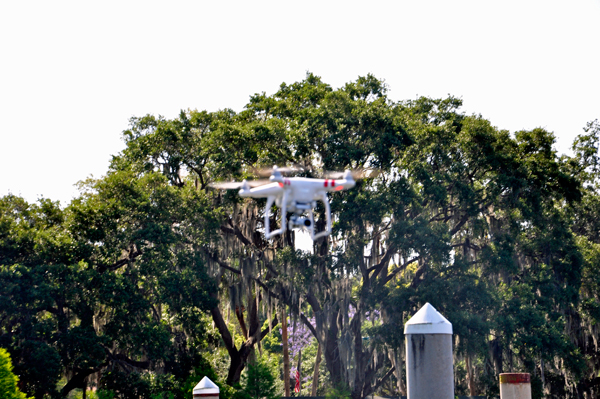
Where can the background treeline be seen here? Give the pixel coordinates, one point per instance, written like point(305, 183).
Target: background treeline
point(151, 279)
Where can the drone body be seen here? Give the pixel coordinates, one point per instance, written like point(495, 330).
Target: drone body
point(298, 195)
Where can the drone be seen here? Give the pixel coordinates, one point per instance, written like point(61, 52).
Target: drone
point(298, 195)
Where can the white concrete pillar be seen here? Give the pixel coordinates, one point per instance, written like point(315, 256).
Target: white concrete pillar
point(429, 364)
point(515, 386)
point(206, 389)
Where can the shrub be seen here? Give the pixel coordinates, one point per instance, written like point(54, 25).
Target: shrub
point(8, 380)
point(259, 382)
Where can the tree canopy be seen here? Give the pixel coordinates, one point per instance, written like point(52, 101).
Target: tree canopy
point(151, 275)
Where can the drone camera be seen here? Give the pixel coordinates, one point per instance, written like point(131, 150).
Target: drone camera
point(300, 221)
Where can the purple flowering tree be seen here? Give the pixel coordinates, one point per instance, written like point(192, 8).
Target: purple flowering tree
point(300, 340)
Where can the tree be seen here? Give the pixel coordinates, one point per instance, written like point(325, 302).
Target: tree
point(259, 382)
point(459, 207)
point(8, 381)
point(584, 218)
point(208, 146)
point(109, 283)
point(494, 229)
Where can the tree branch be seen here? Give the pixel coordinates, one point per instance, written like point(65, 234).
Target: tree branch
point(384, 261)
point(310, 326)
point(224, 331)
point(236, 232)
point(120, 263)
point(222, 264)
point(459, 225)
point(396, 271)
point(382, 380)
point(78, 380)
point(122, 358)
point(418, 274)
point(313, 302)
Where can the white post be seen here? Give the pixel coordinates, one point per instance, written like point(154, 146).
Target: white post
point(515, 386)
point(429, 364)
point(206, 389)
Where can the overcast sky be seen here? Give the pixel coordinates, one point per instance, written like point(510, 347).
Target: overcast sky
point(72, 73)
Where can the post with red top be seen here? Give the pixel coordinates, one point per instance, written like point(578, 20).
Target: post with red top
point(515, 386)
point(206, 389)
point(429, 361)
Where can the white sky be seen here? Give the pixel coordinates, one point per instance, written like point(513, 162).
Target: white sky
point(72, 73)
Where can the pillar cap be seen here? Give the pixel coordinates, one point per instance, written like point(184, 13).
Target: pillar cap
point(428, 321)
point(206, 386)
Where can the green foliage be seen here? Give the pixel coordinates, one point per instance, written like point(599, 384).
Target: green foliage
point(587, 151)
point(8, 381)
point(493, 228)
point(338, 392)
point(103, 273)
point(100, 394)
point(259, 381)
point(104, 394)
point(120, 385)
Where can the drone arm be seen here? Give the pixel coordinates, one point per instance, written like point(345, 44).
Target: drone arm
point(339, 184)
point(270, 201)
point(311, 228)
point(327, 231)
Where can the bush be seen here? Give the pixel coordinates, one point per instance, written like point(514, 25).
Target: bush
point(8, 381)
point(259, 382)
point(338, 392)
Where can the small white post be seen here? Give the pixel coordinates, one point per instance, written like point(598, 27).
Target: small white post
point(429, 363)
point(515, 386)
point(206, 389)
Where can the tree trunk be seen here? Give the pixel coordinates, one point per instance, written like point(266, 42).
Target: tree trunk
point(286, 354)
point(299, 370)
point(397, 372)
point(332, 357)
point(543, 377)
point(235, 369)
point(238, 358)
point(471, 382)
point(315, 383)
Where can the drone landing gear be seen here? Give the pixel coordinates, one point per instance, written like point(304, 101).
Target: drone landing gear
point(297, 220)
point(327, 230)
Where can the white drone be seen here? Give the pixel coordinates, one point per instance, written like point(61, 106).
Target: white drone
point(298, 195)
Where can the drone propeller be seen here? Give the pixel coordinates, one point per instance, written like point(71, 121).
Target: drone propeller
point(356, 174)
point(232, 185)
point(276, 169)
